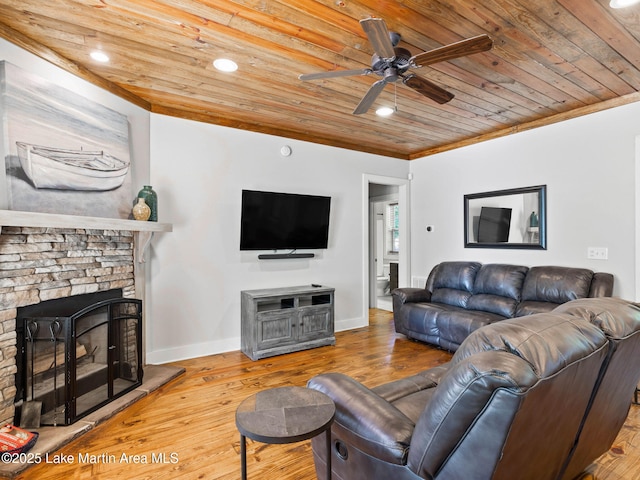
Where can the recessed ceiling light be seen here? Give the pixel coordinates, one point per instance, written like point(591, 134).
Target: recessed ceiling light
point(622, 3)
point(385, 111)
point(99, 56)
point(225, 65)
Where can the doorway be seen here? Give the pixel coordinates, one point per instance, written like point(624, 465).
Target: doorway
point(384, 230)
point(386, 239)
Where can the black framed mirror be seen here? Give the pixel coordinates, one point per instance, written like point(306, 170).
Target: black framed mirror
point(514, 218)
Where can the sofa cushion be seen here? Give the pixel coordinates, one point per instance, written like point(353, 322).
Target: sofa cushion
point(505, 307)
point(556, 284)
point(497, 289)
point(530, 307)
point(452, 282)
point(450, 296)
point(499, 279)
point(414, 404)
point(456, 275)
point(455, 324)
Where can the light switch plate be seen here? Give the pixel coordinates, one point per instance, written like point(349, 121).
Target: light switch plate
point(597, 253)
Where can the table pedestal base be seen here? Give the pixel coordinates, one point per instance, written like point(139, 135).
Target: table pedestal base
point(243, 455)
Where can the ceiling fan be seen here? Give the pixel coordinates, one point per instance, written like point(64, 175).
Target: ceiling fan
point(392, 63)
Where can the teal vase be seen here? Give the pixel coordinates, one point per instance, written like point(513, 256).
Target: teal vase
point(533, 220)
point(151, 199)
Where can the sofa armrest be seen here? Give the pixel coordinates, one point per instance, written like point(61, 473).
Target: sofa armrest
point(411, 295)
point(601, 285)
point(404, 296)
point(364, 419)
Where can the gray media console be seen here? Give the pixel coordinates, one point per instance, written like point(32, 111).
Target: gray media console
point(284, 320)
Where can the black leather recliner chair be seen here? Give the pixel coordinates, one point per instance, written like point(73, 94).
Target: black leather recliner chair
point(537, 397)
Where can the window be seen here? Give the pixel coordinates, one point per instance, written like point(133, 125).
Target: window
point(393, 228)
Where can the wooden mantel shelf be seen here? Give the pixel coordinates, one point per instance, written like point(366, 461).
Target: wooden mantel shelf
point(143, 231)
point(14, 218)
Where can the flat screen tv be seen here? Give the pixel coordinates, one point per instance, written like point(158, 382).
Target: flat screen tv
point(494, 224)
point(278, 221)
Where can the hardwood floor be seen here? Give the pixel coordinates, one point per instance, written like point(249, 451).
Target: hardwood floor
point(186, 430)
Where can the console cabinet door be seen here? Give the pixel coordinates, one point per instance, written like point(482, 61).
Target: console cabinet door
point(275, 329)
point(315, 323)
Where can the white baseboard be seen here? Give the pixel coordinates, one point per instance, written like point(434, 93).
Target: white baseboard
point(350, 324)
point(186, 352)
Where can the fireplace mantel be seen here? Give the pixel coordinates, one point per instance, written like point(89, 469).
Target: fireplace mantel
point(142, 230)
point(14, 218)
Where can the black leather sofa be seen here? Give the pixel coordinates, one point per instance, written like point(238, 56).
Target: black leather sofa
point(460, 297)
point(535, 397)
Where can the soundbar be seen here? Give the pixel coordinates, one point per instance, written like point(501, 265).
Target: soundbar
point(279, 256)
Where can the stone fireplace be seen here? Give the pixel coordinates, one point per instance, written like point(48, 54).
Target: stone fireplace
point(48, 257)
point(39, 263)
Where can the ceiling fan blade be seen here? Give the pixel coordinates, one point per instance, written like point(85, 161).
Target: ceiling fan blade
point(370, 97)
point(478, 44)
point(428, 89)
point(333, 74)
point(378, 35)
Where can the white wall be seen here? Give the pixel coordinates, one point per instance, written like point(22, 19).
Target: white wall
point(588, 165)
point(198, 271)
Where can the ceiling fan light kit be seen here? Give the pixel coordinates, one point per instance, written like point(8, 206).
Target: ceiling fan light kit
point(392, 63)
point(385, 111)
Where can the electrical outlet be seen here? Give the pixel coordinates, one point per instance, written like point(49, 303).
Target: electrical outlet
point(597, 253)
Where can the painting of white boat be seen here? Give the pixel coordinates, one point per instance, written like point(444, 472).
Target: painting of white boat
point(49, 167)
point(64, 150)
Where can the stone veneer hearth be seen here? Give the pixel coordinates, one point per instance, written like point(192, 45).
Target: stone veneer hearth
point(42, 263)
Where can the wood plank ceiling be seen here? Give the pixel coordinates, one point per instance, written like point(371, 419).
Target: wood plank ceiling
point(551, 60)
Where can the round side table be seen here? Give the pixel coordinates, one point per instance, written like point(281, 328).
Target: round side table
point(284, 415)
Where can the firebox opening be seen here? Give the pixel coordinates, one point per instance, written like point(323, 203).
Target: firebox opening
point(76, 354)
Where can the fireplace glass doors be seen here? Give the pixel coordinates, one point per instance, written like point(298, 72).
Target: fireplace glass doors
point(73, 364)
